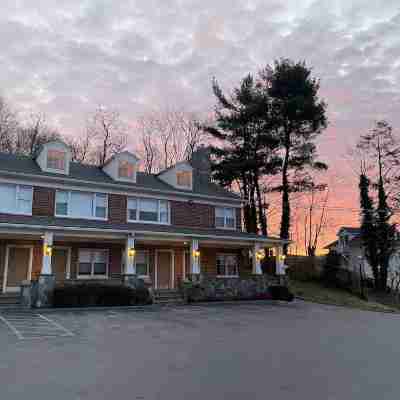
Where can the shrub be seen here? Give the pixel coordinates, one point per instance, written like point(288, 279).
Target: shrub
point(99, 294)
point(331, 274)
point(280, 293)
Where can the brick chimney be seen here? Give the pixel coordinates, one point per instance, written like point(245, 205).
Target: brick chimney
point(201, 163)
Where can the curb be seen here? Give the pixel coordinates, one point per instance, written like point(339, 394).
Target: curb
point(371, 309)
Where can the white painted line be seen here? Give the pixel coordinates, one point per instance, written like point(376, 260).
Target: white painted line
point(67, 332)
point(12, 327)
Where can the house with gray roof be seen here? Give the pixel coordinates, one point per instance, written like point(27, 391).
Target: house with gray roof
point(65, 221)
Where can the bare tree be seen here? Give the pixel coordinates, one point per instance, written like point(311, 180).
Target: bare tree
point(315, 219)
point(107, 132)
point(82, 148)
point(34, 133)
point(8, 126)
point(167, 137)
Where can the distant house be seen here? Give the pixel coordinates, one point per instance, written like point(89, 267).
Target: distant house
point(349, 246)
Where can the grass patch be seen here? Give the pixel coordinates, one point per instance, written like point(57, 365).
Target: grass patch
point(316, 292)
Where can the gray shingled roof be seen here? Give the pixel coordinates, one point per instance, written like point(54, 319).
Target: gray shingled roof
point(82, 172)
point(83, 224)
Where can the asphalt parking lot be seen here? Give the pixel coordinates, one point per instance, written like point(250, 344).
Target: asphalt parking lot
point(236, 351)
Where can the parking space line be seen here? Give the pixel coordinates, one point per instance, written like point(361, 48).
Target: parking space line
point(56, 324)
point(12, 327)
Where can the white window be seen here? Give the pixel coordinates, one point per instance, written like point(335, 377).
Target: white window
point(227, 265)
point(81, 205)
point(126, 170)
point(148, 210)
point(184, 179)
point(16, 199)
point(56, 159)
point(92, 263)
point(225, 217)
point(142, 263)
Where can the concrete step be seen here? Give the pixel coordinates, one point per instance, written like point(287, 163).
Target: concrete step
point(9, 299)
point(167, 296)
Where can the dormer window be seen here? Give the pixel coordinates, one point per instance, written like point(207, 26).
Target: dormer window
point(122, 167)
point(126, 170)
point(56, 159)
point(184, 179)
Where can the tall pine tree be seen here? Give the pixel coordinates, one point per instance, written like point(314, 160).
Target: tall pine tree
point(247, 150)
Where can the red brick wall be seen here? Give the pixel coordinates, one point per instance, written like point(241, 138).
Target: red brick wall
point(191, 214)
point(117, 208)
point(43, 201)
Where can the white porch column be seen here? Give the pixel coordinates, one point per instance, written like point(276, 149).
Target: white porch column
point(130, 267)
point(280, 261)
point(256, 259)
point(47, 252)
point(194, 257)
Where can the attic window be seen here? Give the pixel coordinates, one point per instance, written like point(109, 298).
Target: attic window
point(56, 159)
point(126, 170)
point(184, 179)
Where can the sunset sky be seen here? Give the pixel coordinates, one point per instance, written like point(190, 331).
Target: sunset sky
point(66, 57)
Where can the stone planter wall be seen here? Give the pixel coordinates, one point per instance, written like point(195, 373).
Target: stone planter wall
point(214, 289)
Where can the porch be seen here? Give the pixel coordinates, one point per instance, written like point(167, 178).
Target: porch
point(161, 262)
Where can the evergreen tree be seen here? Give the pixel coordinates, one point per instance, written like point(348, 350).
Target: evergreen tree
point(383, 151)
point(248, 149)
point(299, 117)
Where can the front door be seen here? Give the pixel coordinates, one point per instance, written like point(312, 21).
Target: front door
point(164, 271)
point(59, 260)
point(18, 267)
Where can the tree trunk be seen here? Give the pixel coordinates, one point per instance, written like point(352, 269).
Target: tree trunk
point(285, 219)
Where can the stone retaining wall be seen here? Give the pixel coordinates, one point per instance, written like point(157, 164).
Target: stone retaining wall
point(214, 289)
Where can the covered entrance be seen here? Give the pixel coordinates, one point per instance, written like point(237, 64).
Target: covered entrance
point(17, 266)
point(164, 269)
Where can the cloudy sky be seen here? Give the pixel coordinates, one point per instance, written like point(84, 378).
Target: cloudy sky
point(65, 57)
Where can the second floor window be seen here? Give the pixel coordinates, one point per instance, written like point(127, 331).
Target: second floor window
point(225, 218)
point(126, 170)
point(56, 160)
point(81, 205)
point(148, 210)
point(16, 199)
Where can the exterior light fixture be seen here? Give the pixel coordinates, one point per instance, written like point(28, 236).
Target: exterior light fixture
point(131, 252)
point(260, 255)
point(283, 257)
point(47, 250)
point(196, 253)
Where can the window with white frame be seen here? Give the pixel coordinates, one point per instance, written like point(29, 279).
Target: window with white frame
point(56, 159)
point(142, 262)
point(225, 217)
point(76, 204)
point(92, 263)
point(16, 199)
point(227, 265)
point(148, 210)
point(126, 170)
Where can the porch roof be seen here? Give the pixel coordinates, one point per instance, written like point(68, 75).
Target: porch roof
point(40, 224)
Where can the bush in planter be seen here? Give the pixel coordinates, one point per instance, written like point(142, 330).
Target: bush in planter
point(99, 294)
point(280, 293)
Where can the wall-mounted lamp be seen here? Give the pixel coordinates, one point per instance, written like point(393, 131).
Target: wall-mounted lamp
point(282, 257)
point(196, 253)
point(131, 252)
point(260, 255)
point(47, 250)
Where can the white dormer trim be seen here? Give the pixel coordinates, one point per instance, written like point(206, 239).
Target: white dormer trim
point(111, 167)
point(170, 175)
point(58, 145)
